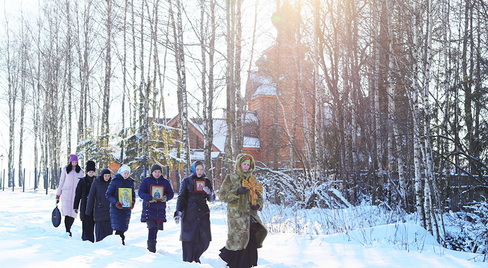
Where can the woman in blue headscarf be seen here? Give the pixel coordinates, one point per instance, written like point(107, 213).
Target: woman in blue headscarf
point(193, 212)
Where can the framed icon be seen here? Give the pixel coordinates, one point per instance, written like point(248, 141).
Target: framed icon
point(157, 192)
point(125, 197)
point(198, 186)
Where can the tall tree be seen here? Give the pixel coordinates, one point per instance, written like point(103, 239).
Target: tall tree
point(124, 80)
point(208, 21)
point(175, 13)
point(12, 91)
point(83, 39)
point(233, 94)
point(69, 109)
point(24, 73)
point(105, 124)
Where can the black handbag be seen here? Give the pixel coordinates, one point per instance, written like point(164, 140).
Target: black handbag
point(56, 216)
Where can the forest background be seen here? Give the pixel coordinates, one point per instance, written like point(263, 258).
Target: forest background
point(399, 117)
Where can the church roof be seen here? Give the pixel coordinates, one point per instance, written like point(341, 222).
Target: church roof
point(220, 133)
point(263, 85)
point(265, 89)
point(250, 142)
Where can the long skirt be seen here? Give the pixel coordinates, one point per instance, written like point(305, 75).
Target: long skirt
point(245, 258)
point(192, 250)
point(103, 229)
point(87, 226)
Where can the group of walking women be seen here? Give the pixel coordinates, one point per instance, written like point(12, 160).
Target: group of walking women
point(105, 203)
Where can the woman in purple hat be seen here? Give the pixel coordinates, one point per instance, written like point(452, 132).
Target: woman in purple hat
point(67, 189)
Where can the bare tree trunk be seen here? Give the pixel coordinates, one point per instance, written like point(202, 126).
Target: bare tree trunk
point(24, 58)
point(428, 155)
point(134, 117)
point(417, 160)
point(124, 81)
point(181, 73)
point(105, 127)
point(396, 140)
point(208, 92)
point(319, 94)
point(420, 197)
point(85, 112)
point(12, 99)
point(240, 102)
point(54, 100)
point(376, 157)
point(446, 89)
point(303, 125)
point(230, 83)
point(467, 75)
point(353, 61)
point(37, 110)
point(159, 102)
point(68, 70)
point(143, 98)
point(478, 77)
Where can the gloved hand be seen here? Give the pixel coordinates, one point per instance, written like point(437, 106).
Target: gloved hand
point(242, 190)
point(178, 215)
point(164, 198)
point(207, 190)
point(153, 201)
point(255, 207)
point(76, 210)
point(118, 205)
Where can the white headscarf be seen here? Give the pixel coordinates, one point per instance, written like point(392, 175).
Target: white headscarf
point(123, 168)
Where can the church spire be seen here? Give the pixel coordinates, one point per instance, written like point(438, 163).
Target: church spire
point(286, 20)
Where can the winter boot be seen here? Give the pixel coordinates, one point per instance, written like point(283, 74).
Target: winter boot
point(68, 222)
point(122, 236)
point(151, 245)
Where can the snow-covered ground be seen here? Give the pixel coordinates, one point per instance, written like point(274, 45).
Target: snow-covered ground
point(28, 239)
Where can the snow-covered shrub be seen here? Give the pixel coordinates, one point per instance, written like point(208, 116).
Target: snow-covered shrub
point(292, 187)
point(301, 205)
point(467, 230)
point(321, 221)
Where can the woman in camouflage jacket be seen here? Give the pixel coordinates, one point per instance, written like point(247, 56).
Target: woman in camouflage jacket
point(246, 232)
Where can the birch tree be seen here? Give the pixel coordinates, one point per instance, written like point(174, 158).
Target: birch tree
point(36, 102)
point(207, 16)
point(84, 46)
point(24, 75)
point(105, 126)
point(233, 95)
point(125, 24)
point(68, 73)
point(175, 13)
point(12, 91)
point(53, 95)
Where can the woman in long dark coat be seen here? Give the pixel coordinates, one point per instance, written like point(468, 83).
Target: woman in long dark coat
point(82, 191)
point(246, 232)
point(99, 206)
point(121, 204)
point(193, 211)
point(154, 204)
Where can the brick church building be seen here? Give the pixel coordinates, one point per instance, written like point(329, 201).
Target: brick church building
point(280, 105)
point(281, 95)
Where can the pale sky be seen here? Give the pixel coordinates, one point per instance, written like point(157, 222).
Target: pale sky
point(12, 8)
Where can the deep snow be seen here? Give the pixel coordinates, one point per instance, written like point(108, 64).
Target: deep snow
point(28, 239)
